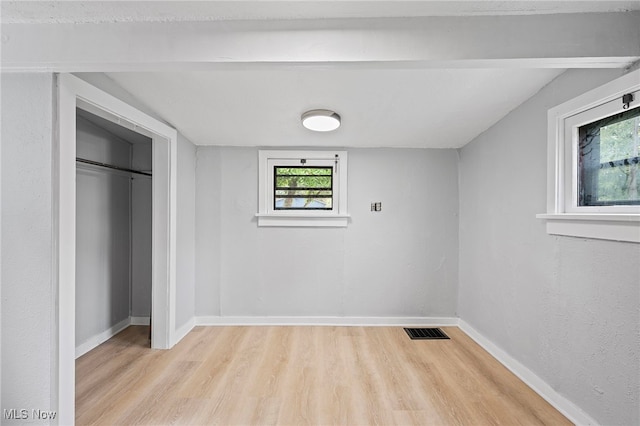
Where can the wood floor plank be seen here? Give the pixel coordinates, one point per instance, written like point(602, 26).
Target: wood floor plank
point(302, 375)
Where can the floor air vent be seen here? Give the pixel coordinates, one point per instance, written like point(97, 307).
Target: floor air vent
point(425, 333)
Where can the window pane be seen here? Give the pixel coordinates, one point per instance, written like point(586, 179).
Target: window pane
point(306, 181)
point(608, 167)
point(303, 188)
point(306, 193)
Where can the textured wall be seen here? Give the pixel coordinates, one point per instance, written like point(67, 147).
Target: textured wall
point(208, 219)
point(399, 262)
point(27, 245)
point(567, 308)
point(185, 256)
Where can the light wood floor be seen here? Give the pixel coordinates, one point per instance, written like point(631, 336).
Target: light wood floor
point(302, 375)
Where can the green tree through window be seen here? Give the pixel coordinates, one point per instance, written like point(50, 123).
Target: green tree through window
point(303, 188)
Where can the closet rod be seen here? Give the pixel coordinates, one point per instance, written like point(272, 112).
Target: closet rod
point(109, 166)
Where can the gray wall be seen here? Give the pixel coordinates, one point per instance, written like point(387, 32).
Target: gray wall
point(567, 308)
point(27, 245)
point(208, 219)
point(402, 261)
point(186, 231)
point(103, 238)
point(141, 232)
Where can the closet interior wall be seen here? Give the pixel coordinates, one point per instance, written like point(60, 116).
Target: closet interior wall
point(113, 231)
point(141, 233)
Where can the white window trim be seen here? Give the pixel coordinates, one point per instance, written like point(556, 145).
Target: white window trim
point(338, 217)
point(563, 217)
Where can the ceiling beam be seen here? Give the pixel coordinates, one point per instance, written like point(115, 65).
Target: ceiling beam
point(598, 40)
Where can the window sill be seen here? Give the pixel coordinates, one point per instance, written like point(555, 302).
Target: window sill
point(615, 227)
point(302, 220)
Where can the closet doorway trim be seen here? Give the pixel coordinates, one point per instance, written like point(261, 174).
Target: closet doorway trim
point(75, 93)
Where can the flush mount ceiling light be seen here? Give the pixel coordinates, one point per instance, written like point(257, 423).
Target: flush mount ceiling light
point(321, 120)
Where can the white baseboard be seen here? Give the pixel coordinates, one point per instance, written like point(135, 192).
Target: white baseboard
point(328, 321)
point(100, 338)
point(184, 330)
point(562, 404)
point(140, 320)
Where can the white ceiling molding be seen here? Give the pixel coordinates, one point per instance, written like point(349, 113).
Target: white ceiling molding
point(75, 12)
point(536, 41)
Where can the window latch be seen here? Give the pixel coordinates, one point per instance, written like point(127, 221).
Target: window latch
point(626, 100)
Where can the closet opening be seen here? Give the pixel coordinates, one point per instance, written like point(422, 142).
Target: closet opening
point(73, 94)
point(113, 230)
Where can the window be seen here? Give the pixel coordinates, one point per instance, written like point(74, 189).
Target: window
point(593, 163)
point(302, 188)
point(608, 171)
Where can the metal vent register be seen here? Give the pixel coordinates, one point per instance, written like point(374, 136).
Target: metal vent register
point(425, 333)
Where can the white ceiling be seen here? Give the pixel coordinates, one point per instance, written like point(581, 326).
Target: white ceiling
point(432, 108)
point(257, 80)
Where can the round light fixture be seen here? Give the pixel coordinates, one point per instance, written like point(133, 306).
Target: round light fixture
point(321, 120)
